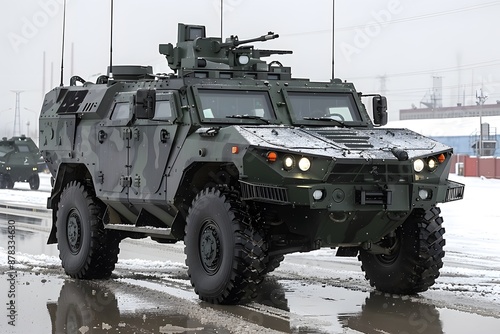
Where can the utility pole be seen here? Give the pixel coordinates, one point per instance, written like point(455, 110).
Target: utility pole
point(17, 113)
point(383, 86)
point(481, 98)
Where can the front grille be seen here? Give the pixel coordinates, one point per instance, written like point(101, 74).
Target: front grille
point(349, 138)
point(455, 191)
point(266, 193)
point(371, 173)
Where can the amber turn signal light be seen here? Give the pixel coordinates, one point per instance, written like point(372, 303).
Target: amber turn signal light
point(441, 158)
point(271, 156)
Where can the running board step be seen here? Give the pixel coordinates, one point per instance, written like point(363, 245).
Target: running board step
point(157, 232)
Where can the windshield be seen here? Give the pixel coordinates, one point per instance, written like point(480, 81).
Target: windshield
point(23, 148)
point(234, 105)
point(313, 106)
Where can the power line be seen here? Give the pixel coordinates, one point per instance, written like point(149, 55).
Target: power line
point(426, 16)
point(402, 20)
point(439, 70)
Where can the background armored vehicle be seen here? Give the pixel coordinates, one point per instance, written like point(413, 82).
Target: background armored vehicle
point(19, 162)
point(243, 163)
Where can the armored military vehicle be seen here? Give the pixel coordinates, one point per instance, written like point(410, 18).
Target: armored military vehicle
point(243, 163)
point(19, 162)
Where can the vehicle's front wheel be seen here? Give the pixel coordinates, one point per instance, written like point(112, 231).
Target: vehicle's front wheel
point(225, 255)
point(86, 249)
point(416, 253)
point(7, 182)
point(273, 263)
point(34, 182)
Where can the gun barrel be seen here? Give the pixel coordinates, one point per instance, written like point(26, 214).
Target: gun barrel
point(235, 42)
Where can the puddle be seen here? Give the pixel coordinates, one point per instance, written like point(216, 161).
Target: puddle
point(47, 304)
point(335, 310)
point(29, 241)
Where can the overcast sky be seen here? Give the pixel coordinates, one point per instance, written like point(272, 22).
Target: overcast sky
point(392, 45)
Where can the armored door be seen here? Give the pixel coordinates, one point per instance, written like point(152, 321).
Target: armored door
point(150, 149)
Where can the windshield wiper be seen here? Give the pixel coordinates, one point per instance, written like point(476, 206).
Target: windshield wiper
point(249, 117)
point(324, 119)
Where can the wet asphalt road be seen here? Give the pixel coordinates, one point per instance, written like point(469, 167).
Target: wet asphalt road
point(155, 299)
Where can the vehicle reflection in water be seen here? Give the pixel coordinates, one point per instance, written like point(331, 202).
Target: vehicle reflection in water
point(383, 313)
point(88, 307)
point(270, 293)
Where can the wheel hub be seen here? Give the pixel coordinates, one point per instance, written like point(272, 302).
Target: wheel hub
point(74, 229)
point(393, 244)
point(210, 249)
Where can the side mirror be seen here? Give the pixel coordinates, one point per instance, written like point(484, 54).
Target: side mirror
point(380, 110)
point(145, 102)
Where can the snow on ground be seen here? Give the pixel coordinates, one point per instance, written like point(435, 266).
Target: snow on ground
point(471, 265)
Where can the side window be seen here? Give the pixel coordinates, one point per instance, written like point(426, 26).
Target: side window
point(163, 110)
point(121, 111)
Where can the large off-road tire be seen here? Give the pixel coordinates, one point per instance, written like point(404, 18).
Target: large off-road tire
point(34, 182)
point(86, 249)
point(8, 182)
point(273, 262)
point(416, 258)
point(225, 255)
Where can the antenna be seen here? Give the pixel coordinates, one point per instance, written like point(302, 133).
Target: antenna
point(333, 39)
point(111, 46)
point(221, 19)
point(62, 47)
point(43, 76)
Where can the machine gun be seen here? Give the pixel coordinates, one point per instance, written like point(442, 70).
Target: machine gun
point(195, 51)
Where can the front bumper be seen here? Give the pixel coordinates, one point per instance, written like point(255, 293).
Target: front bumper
point(348, 197)
point(348, 214)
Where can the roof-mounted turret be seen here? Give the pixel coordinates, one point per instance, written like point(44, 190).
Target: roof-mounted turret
point(200, 56)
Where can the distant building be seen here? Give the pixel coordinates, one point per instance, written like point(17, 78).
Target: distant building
point(450, 112)
point(461, 133)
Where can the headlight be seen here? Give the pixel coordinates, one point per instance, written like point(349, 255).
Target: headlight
point(304, 164)
point(418, 165)
point(432, 163)
point(288, 162)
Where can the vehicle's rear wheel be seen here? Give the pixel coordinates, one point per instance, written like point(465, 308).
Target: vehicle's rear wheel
point(415, 259)
point(225, 255)
point(86, 249)
point(34, 182)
